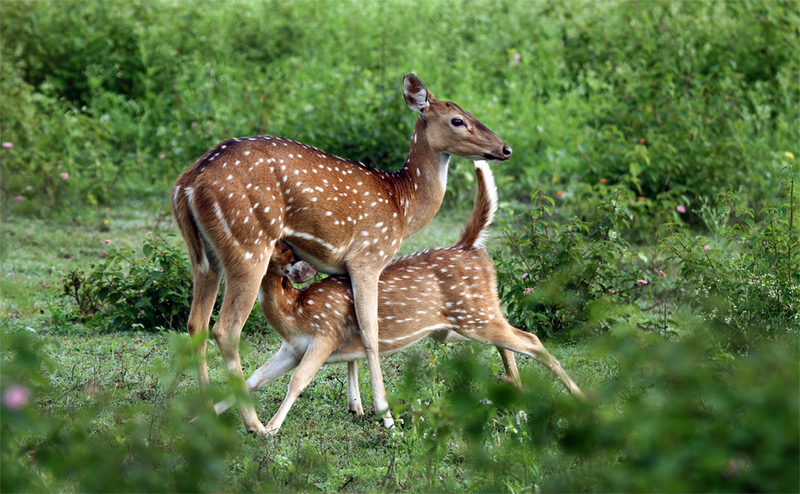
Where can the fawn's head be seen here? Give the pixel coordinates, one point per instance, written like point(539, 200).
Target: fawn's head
point(284, 263)
point(450, 129)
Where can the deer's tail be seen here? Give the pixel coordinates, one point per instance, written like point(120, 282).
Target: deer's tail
point(183, 210)
point(483, 210)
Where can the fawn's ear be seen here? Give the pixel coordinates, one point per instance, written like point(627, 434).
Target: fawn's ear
point(299, 271)
point(415, 93)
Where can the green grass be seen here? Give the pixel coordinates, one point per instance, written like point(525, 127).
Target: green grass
point(110, 374)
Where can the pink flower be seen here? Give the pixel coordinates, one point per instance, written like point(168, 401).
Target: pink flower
point(517, 58)
point(16, 397)
point(19, 198)
point(643, 282)
point(149, 233)
point(559, 194)
point(8, 144)
point(107, 241)
point(612, 292)
point(662, 273)
point(524, 275)
point(102, 253)
point(603, 180)
point(163, 155)
point(527, 291)
point(64, 175)
point(706, 247)
point(681, 208)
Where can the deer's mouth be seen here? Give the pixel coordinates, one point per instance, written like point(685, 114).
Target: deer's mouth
point(494, 158)
point(505, 153)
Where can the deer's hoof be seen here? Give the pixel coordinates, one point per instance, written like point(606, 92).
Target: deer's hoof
point(356, 409)
point(257, 429)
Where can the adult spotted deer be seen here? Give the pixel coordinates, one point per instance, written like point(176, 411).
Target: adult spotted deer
point(234, 203)
point(446, 291)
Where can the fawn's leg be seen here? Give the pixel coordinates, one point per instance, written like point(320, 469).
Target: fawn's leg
point(504, 335)
point(510, 363)
point(279, 364)
point(315, 356)
point(353, 393)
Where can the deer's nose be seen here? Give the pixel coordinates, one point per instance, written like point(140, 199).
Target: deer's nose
point(506, 151)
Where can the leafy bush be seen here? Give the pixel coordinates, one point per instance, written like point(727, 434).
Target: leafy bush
point(689, 418)
point(54, 156)
point(149, 447)
point(746, 281)
point(146, 291)
point(676, 93)
point(676, 416)
point(150, 292)
point(554, 271)
point(640, 95)
point(563, 273)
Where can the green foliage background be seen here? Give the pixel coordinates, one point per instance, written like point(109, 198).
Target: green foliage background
point(676, 100)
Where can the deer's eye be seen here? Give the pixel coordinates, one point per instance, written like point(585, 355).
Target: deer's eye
point(457, 122)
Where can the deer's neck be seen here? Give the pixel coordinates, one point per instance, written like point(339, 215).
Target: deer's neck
point(278, 304)
point(422, 180)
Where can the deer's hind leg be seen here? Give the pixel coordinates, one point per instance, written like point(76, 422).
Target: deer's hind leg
point(241, 288)
point(503, 335)
point(510, 363)
point(204, 294)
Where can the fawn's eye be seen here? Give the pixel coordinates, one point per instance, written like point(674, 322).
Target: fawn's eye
point(457, 122)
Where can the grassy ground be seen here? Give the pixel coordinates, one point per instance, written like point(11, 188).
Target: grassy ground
point(107, 372)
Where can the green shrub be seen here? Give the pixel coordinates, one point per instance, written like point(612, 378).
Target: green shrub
point(675, 416)
point(562, 275)
point(145, 448)
point(677, 95)
point(643, 95)
point(54, 156)
point(150, 291)
point(746, 281)
point(688, 418)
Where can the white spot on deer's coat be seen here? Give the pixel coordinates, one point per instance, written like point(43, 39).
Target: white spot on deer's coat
point(221, 218)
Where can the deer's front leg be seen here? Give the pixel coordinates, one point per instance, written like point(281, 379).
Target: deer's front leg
point(365, 296)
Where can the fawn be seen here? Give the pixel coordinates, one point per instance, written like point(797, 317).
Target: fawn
point(446, 292)
point(241, 197)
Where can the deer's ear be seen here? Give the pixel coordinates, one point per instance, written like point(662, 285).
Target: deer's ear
point(415, 93)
